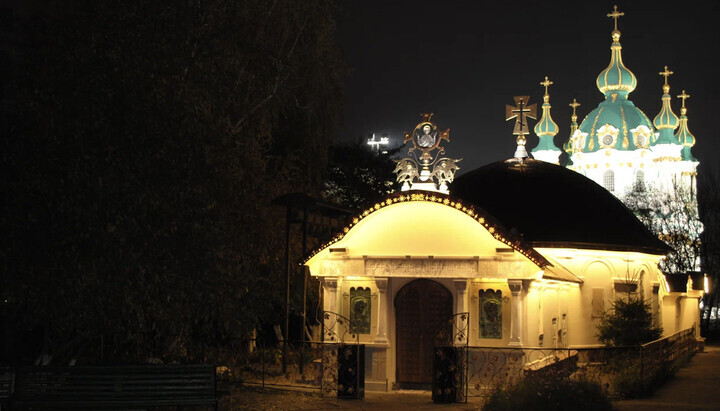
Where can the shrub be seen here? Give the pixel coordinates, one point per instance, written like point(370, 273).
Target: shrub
point(628, 323)
point(549, 391)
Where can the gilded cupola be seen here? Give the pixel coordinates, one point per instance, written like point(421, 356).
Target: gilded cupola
point(684, 136)
point(616, 78)
point(666, 121)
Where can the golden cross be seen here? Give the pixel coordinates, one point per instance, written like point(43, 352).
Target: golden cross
point(546, 83)
point(666, 74)
point(615, 14)
point(683, 96)
point(574, 105)
point(520, 113)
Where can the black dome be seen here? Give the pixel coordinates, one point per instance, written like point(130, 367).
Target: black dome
point(552, 206)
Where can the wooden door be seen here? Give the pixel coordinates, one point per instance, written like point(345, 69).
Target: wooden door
point(419, 307)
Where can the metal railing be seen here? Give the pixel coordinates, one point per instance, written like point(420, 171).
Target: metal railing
point(620, 371)
point(264, 364)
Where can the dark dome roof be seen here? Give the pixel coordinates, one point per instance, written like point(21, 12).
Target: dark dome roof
point(555, 207)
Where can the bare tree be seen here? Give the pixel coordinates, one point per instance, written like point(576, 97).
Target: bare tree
point(673, 216)
point(709, 207)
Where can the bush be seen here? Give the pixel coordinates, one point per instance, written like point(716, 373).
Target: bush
point(549, 391)
point(628, 323)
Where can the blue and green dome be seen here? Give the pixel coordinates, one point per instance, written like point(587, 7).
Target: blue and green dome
point(666, 121)
point(610, 125)
point(546, 128)
point(616, 78)
point(616, 122)
point(684, 136)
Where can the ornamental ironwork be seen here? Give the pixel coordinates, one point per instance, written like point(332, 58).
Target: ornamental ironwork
point(425, 169)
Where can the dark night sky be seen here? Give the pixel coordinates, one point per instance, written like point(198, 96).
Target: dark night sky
point(465, 60)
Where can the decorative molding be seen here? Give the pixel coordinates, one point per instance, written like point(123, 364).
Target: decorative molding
point(330, 282)
point(381, 284)
point(465, 268)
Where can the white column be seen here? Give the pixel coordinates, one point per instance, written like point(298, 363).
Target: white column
point(461, 307)
point(516, 313)
point(382, 312)
point(330, 300)
point(330, 304)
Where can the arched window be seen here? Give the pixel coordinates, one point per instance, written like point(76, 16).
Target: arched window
point(609, 180)
point(640, 180)
point(490, 310)
point(360, 304)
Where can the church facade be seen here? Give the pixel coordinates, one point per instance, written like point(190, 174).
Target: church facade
point(502, 246)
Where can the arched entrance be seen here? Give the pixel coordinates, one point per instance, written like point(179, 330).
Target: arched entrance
point(419, 306)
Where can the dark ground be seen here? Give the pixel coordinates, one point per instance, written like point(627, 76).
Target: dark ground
point(694, 387)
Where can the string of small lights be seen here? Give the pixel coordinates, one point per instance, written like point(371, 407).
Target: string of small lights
point(496, 229)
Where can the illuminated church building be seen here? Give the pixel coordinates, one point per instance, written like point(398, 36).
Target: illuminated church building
point(617, 145)
point(494, 244)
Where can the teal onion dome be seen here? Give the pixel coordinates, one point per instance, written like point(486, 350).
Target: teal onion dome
point(546, 129)
point(666, 121)
point(616, 123)
point(684, 136)
point(616, 78)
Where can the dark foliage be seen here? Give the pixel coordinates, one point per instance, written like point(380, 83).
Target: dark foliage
point(628, 323)
point(358, 176)
point(549, 390)
point(142, 143)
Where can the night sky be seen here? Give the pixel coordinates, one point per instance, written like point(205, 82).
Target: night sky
point(465, 60)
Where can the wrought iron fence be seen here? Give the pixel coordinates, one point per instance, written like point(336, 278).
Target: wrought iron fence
point(342, 360)
point(332, 365)
point(621, 371)
point(450, 365)
point(263, 364)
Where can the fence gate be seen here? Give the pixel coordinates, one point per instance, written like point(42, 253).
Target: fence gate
point(343, 358)
point(449, 383)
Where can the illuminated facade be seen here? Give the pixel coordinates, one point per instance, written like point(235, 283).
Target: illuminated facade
point(503, 244)
point(529, 273)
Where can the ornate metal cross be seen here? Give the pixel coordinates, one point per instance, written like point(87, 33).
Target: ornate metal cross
point(547, 83)
point(666, 74)
point(615, 14)
point(520, 113)
point(574, 106)
point(683, 96)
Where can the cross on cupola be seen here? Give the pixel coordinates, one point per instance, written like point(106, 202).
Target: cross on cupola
point(546, 129)
point(547, 83)
point(667, 73)
point(520, 113)
point(614, 15)
point(573, 117)
point(684, 136)
point(574, 106)
point(683, 96)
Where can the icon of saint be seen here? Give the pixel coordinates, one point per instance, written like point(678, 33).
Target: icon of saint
point(427, 139)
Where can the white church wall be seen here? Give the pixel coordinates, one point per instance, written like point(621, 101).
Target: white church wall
point(602, 273)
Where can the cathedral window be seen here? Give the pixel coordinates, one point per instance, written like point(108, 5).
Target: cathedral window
point(609, 180)
point(360, 310)
point(640, 180)
point(490, 314)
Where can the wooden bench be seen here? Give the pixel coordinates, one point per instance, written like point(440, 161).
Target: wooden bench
point(114, 386)
point(7, 379)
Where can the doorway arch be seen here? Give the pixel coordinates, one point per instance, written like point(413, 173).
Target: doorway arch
point(419, 306)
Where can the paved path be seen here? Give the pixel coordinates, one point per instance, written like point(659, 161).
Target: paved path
point(695, 387)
